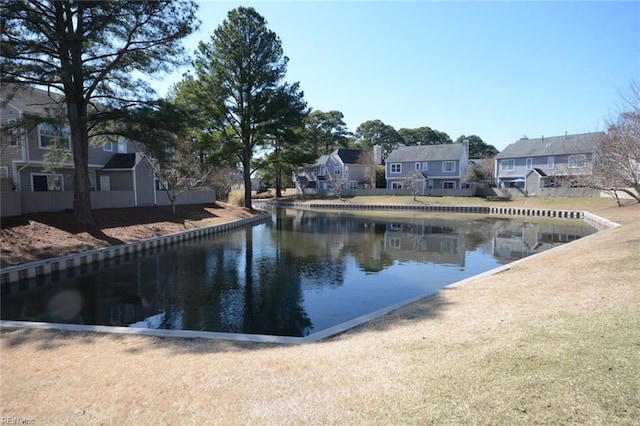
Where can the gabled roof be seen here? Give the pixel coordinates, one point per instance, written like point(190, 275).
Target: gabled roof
point(348, 156)
point(540, 172)
point(442, 152)
point(32, 100)
point(121, 161)
point(555, 145)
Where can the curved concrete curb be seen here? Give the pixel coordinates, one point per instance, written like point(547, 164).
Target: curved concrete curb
point(593, 219)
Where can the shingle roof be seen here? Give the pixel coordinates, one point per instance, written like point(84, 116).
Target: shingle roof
point(121, 161)
point(31, 100)
point(443, 152)
point(349, 156)
point(321, 161)
point(555, 145)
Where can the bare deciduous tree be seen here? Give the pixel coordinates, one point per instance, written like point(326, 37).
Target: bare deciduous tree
point(368, 160)
point(481, 171)
point(616, 168)
point(224, 180)
point(181, 169)
point(416, 183)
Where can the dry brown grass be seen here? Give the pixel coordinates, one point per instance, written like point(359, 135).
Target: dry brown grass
point(552, 340)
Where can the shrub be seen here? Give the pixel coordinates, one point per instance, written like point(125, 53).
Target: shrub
point(236, 197)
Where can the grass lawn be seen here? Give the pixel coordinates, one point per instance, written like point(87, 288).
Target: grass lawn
point(552, 340)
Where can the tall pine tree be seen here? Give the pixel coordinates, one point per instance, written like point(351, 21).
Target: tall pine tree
point(90, 52)
point(241, 74)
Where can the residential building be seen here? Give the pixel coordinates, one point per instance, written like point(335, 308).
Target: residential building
point(120, 173)
point(431, 166)
point(342, 169)
point(546, 162)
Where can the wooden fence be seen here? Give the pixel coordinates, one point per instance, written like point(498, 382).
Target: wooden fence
point(18, 203)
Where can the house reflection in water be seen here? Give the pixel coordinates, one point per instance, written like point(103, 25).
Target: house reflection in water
point(300, 273)
point(432, 240)
point(513, 240)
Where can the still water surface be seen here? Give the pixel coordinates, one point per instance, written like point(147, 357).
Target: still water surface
point(301, 273)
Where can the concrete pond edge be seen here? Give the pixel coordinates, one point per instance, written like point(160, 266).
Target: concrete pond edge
point(31, 270)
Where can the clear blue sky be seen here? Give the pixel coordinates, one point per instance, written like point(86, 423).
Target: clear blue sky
point(498, 70)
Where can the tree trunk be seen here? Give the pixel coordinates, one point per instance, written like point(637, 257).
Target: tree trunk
point(73, 81)
point(76, 113)
point(246, 173)
point(278, 181)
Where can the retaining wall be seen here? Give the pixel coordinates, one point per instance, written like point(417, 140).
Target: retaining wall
point(512, 211)
point(27, 271)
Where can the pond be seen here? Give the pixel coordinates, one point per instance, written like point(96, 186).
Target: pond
point(298, 274)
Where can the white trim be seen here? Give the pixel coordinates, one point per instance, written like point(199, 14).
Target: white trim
point(453, 169)
point(135, 188)
point(551, 162)
point(397, 172)
point(504, 162)
point(65, 129)
point(579, 161)
point(123, 141)
point(31, 176)
point(8, 103)
point(529, 164)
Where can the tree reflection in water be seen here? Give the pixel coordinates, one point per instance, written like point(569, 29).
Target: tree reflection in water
point(302, 272)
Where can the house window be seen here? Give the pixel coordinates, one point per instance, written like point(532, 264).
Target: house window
point(122, 146)
point(395, 167)
point(507, 165)
point(448, 166)
point(425, 166)
point(577, 161)
point(418, 167)
point(529, 164)
point(447, 246)
point(337, 171)
point(49, 134)
point(46, 182)
point(396, 185)
point(394, 242)
point(448, 185)
point(353, 184)
point(551, 161)
point(108, 147)
point(504, 250)
point(4, 172)
point(13, 132)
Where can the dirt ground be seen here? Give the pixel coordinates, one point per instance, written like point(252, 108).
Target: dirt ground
point(40, 236)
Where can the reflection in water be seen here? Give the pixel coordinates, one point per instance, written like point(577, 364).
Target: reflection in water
point(303, 272)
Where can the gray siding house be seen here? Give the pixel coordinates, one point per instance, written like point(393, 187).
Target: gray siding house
point(121, 174)
point(436, 166)
point(547, 162)
point(343, 168)
point(23, 162)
